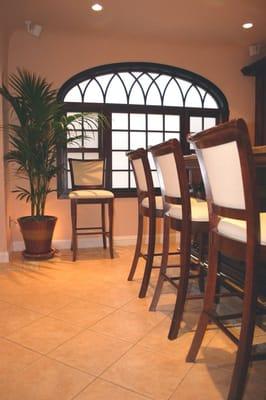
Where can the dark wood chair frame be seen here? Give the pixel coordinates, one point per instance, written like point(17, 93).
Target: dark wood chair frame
point(186, 227)
point(252, 252)
point(92, 230)
point(152, 214)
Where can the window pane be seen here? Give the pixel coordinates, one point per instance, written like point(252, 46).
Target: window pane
point(155, 138)
point(69, 185)
point(193, 98)
point(103, 80)
point(136, 95)
point(162, 81)
point(91, 139)
point(184, 85)
point(116, 92)
point(137, 139)
point(154, 96)
point(137, 122)
point(195, 124)
point(73, 95)
point(90, 156)
point(209, 102)
point(119, 160)
point(128, 79)
point(119, 121)
point(145, 81)
point(93, 93)
point(90, 121)
point(151, 161)
point(120, 140)
point(209, 122)
point(172, 123)
point(120, 179)
point(155, 179)
point(76, 140)
point(132, 180)
point(155, 122)
point(172, 135)
point(83, 85)
point(76, 124)
point(173, 96)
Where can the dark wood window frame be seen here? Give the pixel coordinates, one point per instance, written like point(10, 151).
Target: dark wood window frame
point(105, 145)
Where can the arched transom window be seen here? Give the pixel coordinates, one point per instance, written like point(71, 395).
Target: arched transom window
point(144, 104)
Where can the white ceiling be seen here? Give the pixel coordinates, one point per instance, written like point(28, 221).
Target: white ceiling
point(208, 21)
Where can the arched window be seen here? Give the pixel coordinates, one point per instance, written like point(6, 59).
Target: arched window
point(144, 104)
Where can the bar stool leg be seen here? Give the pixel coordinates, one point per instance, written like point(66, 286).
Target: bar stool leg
point(209, 299)
point(164, 262)
point(74, 229)
point(183, 283)
point(103, 224)
point(137, 249)
point(243, 355)
point(201, 267)
point(111, 216)
point(150, 255)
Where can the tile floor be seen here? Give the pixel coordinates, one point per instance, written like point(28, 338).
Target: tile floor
point(78, 331)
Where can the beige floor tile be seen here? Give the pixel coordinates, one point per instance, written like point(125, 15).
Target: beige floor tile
point(13, 318)
point(127, 326)
point(150, 373)
point(45, 380)
point(41, 300)
point(202, 383)
point(80, 295)
point(141, 306)
point(112, 294)
point(14, 358)
point(44, 334)
point(91, 352)
point(82, 313)
point(157, 338)
point(102, 390)
point(220, 351)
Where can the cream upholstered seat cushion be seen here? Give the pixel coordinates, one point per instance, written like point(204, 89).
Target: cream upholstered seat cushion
point(236, 229)
point(199, 210)
point(158, 202)
point(91, 194)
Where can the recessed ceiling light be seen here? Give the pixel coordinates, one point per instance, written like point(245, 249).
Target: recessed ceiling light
point(247, 25)
point(97, 7)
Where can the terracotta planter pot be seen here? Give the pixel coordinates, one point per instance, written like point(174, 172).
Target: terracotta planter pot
point(37, 233)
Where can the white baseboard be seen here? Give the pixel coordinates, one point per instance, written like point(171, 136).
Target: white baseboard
point(82, 243)
point(89, 242)
point(4, 257)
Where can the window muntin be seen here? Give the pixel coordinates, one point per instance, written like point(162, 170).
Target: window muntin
point(141, 88)
point(145, 104)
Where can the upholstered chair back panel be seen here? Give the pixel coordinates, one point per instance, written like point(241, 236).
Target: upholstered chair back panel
point(169, 176)
point(88, 173)
point(140, 174)
point(222, 164)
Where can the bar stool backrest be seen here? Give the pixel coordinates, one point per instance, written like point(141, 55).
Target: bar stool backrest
point(87, 174)
point(227, 167)
point(172, 175)
point(142, 173)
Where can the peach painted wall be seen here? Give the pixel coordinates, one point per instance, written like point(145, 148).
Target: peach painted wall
point(59, 55)
point(4, 236)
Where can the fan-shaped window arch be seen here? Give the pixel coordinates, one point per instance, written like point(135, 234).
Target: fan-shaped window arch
point(145, 103)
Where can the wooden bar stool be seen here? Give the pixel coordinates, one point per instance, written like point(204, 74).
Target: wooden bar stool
point(236, 230)
point(87, 178)
point(184, 214)
point(149, 206)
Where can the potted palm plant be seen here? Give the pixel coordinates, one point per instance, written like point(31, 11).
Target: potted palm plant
point(39, 126)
